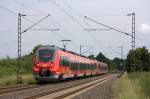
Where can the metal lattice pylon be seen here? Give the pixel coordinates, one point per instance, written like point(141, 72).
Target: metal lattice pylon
point(19, 43)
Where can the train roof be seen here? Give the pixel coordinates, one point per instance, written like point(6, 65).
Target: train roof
point(53, 47)
point(48, 47)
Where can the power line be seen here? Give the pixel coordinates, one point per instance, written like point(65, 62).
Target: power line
point(78, 13)
point(33, 9)
point(66, 30)
point(73, 17)
point(65, 12)
point(94, 39)
point(94, 29)
point(86, 50)
point(8, 10)
point(35, 23)
point(107, 26)
point(20, 32)
point(71, 8)
point(75, 11)
point(52, 30)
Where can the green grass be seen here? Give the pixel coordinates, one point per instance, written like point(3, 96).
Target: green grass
point(8, 70)
point(12, 80)
point(9, 66)
point(143, 79)
point(132, 86)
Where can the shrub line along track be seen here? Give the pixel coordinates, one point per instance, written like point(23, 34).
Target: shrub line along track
point(54, 93)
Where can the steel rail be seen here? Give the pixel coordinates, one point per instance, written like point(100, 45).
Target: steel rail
point(58, 90)
point(11, 89)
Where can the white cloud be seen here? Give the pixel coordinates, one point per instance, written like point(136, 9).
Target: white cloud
point(144, 28)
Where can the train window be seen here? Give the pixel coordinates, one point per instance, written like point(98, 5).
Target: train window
point(46, 55)
point(78, 66)
point(72, 65)
point(81, 65)
point(64, 61)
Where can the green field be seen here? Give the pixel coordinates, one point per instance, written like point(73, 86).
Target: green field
point(8, 71)
point(12, 80)
point(132, 86)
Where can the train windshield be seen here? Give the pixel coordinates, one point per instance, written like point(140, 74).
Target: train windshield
point(46, 55)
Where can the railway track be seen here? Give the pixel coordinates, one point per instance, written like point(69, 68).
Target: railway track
point(36, 91)
point(10, 89)
point(70, 90)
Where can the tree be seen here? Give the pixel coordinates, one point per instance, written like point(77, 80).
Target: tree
point(91, 56)
point(101, 57)
point(119, 63)
point(142, 60)
point(35, 48)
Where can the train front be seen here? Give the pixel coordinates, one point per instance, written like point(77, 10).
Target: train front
point(44, 64)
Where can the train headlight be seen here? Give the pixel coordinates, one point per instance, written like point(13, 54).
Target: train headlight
point(51, 65)
point(38, 65)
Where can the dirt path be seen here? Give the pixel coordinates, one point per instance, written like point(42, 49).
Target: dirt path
point(103, 91)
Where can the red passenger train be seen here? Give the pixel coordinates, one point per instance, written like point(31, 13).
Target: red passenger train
point(54, 63)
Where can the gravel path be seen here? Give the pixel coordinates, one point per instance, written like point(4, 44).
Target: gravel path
point(103, 91)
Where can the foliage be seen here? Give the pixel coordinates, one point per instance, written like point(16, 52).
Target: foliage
point(35, 48)
point(9, 66)
point(11, 80)
point(102, 58)
point(141, 60)
point(120, 63)
point(132, 86)
point(143, 81)
point(91, 56)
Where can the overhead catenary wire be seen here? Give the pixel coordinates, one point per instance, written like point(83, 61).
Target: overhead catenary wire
point(82, 16)
point(26, 19)
point(39, 11)
point(53, 31)
point(35, 23)
point(41, 28)
point(12, 12)
point(71, 8)
point(88, 50)
point(78, 13)
point(66, 13)
point(8, 10)
point(62, 26)
point(28, 6)
point(92, 35)
point(75, 11)
point(74, 18)
point(108, 26)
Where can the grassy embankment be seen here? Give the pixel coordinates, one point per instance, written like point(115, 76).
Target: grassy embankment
point(12, 80)
point(8, 69)
point(132, 86)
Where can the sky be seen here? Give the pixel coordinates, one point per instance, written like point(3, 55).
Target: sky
point(68, 17)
